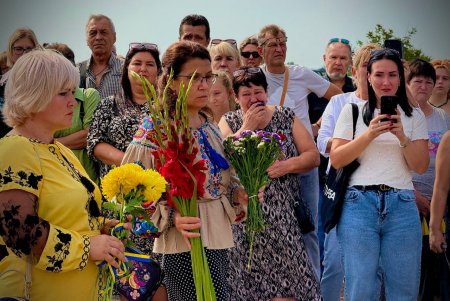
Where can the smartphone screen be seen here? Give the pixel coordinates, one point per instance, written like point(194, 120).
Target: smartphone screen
point(388, 106)
point(394, 44)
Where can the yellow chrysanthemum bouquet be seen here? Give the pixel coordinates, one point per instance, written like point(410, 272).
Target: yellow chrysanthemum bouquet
point(130, 190)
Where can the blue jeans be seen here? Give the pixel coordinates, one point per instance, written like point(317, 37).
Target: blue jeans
point(309, 190)
point(380, 228)
point(333, 270)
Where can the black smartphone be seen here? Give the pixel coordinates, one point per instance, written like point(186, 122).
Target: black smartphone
point(388, 106)
point(394, 44)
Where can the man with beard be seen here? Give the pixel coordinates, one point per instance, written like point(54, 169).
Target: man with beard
point(103, 70)
point(338, 61)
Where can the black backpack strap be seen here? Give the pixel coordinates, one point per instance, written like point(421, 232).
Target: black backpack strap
point(355, 113)
point(83, 67)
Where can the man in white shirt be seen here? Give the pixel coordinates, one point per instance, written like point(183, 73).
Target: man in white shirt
point(300, 82)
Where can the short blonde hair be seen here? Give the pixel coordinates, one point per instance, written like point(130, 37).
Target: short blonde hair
point(18, 34)
point(227, 82)
point(33, 82)
point(226, 49)
point(363, 53)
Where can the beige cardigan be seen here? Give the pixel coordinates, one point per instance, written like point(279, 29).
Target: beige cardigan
point(215, 210)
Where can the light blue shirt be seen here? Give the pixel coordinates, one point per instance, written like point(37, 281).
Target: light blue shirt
point(330, 117)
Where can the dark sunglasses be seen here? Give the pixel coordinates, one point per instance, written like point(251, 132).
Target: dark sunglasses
point(218, 41)
point(339, 40)
point(251, 70)
point(247, 54)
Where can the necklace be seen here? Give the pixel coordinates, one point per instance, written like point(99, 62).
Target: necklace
point(438, 106)
point(101, 71)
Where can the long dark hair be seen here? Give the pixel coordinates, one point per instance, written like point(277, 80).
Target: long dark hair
point(126, 84)
point(369, 107)
point(173, 59)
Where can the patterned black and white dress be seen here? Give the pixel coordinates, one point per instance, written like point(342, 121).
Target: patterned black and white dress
point(280, 264)
point(115, 121)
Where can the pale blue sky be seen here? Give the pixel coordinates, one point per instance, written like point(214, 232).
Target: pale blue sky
point(309, 23)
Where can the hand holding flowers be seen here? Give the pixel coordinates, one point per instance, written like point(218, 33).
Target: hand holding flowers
point(251, 153)
point(130, 190)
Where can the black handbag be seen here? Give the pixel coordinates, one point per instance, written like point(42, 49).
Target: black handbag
point(303, 215)
point(336, 186)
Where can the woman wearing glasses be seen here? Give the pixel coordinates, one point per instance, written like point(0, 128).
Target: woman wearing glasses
point(380, 221)
point(280, 266)
point(250, 56)
point(117, 117)
point(224, 55)
point(220, 203)
point(22, 41)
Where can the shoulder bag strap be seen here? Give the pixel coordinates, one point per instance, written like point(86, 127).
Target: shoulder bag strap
point(355, 113)
point(285, 85)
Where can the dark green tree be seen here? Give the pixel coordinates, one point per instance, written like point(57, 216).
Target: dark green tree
point(380, 34)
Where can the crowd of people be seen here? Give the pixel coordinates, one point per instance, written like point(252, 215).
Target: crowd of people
point(64, 126)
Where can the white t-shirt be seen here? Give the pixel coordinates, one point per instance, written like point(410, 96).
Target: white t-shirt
point(302, 81)
point(382, 161)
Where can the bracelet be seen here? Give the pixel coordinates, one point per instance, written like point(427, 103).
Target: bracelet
point(231, 199)
point(404, 145)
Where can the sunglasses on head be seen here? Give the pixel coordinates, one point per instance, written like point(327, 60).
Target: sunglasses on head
point(229, 41)
point(144, 46)
point(338, 40)
point(384, 51)
point(251, 70)
point(247, 54)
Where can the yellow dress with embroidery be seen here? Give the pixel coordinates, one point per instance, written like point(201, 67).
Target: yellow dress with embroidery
point(63, 272)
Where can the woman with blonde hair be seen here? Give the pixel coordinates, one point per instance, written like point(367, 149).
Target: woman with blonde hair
point(224, 55)
point(221, 96)
point(441, 91)
point(51, 232)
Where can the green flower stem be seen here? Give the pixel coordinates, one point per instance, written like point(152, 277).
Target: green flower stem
point(200, 269)
point(254, 223)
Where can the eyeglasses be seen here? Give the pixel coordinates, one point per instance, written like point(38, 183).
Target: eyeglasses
point(338, 40)
point(198, 79)
point(247, 54)
point(20, 50)
point(275, 42)
point(229, 41)
point(251, 70)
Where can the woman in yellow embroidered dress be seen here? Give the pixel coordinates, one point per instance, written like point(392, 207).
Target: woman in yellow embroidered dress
point(49, 209)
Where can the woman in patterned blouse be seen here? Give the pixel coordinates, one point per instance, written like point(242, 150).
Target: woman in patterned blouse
point(117, 117)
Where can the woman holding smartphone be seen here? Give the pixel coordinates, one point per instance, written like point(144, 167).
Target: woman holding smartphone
point(380, 222)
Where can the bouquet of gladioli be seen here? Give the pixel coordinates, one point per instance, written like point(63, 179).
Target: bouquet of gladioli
point(251, 153)
point(130, 190)
point(174, 159)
